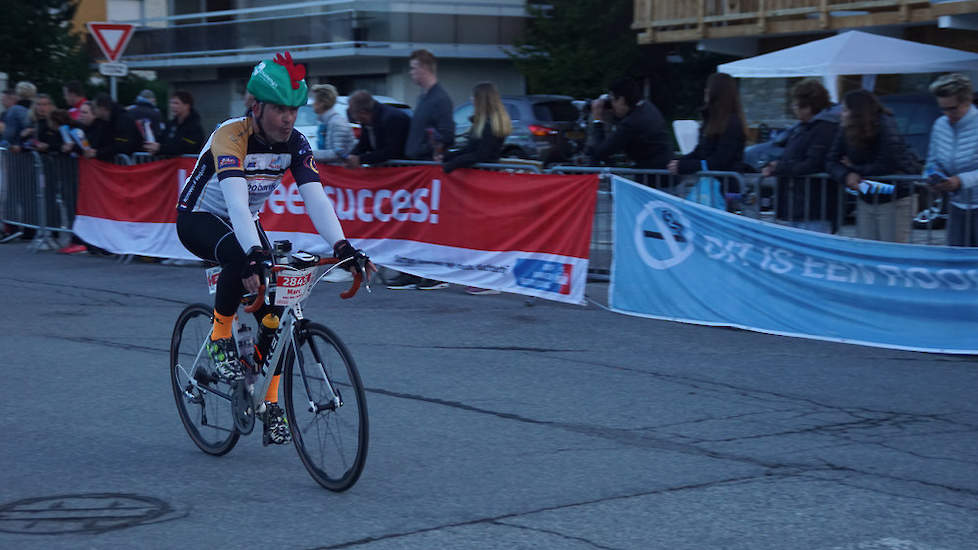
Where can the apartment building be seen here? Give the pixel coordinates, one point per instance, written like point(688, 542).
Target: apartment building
point(745, 28)
point(209, 46)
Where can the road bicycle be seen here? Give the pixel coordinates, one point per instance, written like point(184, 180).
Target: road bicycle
point(324, 397)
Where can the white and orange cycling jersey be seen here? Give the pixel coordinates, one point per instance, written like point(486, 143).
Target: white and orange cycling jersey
point(233, 150)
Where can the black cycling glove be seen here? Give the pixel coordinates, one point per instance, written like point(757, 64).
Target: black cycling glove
point(343, 250)
point(257, 263)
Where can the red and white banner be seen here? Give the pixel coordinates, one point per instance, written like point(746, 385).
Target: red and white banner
point(523, 233)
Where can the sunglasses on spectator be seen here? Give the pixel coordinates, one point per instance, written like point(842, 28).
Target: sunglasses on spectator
point(951, 108)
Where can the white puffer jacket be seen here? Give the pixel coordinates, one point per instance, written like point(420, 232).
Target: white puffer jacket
point(954, 151)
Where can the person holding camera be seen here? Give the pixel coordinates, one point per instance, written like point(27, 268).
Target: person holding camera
point(952, 157)
point(639, 129)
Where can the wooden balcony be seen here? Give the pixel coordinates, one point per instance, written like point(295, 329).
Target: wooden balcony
point(661, 21)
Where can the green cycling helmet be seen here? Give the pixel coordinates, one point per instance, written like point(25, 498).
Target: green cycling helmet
point(279, 81)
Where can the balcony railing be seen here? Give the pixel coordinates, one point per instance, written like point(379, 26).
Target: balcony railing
point(680, 20)
point(345, 28)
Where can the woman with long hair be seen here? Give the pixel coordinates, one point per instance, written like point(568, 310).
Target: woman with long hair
point(869, 144)
point(723, 133)
point(490, 126)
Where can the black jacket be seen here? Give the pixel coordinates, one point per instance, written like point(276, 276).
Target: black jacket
point(384, 139)
point(722, 152)
point(887, 154)
point(485, 148)
point(642, 136)
point(805, 150)
point(118, 136)
point(182, 138)
point(48, 134)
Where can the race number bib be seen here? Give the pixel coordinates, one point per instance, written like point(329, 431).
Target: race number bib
point(293, 286)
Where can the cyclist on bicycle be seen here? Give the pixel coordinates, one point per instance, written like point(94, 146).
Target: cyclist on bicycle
point(241, 164)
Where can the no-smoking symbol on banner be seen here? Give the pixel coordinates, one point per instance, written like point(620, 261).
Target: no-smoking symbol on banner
point(663, 235)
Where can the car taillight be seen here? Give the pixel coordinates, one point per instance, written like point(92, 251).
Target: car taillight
point(541, 130)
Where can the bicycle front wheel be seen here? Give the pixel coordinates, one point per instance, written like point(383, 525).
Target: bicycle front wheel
point(326, 408)
point(203, 399)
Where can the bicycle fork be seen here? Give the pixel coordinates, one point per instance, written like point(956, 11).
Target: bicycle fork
point(333, 401)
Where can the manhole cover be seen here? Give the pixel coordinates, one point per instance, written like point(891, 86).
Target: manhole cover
point(85, 513)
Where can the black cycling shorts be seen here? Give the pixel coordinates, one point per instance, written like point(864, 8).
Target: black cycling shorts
point(211, 238)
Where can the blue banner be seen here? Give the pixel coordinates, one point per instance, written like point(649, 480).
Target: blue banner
point(682, 261)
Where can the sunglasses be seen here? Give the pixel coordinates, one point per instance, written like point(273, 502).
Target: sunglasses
point(951, 108)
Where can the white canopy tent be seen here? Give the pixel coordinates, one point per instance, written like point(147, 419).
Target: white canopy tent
point(852, 53)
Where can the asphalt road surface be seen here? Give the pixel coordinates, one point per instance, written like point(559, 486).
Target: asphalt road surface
point(496, 423)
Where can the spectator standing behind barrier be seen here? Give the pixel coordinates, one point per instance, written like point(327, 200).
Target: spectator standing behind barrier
point(807, 203)
point(119, 136)
point(8, 100)
point(953, 152)
point(490, 126)
point(74, 96)
point(144, 112)
point(869, 144)
point(335, 136)
point(723, 133)
point(43, 136)
point(183, 134)
point(85, 129)
point(90, 127)
point(18, 103)
point(640, 131)
point(432, 125)
point(384, 130)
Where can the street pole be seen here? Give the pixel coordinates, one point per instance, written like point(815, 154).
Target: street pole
point(112, 88)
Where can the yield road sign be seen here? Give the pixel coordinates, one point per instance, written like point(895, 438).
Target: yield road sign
point(112, 38)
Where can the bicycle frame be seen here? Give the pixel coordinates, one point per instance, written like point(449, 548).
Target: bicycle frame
point(285, 336)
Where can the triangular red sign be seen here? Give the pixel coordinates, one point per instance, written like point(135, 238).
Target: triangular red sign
point(112, 38)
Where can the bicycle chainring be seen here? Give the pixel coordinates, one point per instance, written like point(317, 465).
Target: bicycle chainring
point(242, 409)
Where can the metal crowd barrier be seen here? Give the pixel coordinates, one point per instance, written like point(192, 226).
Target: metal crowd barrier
point(818, 203)
point(24, 201)
point(738, 192)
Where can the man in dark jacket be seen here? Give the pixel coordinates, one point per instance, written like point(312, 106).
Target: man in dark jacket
point(385, 130)
point(640, 131)
point(807, 145)
point(183, 134)
point(432, 128)
point(119, 134)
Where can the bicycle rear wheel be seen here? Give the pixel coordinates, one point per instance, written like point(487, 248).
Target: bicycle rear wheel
point(203, 399)
point(326, 408)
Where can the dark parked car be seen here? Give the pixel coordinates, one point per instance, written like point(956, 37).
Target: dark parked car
point(547, 128)
point(915, 115)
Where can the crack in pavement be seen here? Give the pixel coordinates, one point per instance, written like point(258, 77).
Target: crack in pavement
point(75, 288)
point(500, 518)
point(110, 344)
point(648, 440)
point(555, 533)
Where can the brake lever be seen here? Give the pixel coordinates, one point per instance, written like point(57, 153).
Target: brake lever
point(363, 274)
